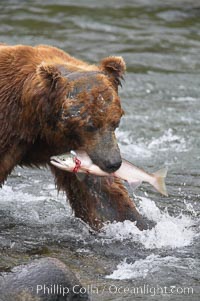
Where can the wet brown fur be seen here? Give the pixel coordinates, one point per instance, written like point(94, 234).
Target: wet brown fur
point(50, 103)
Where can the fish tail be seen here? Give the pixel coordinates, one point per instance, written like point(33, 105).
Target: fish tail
point(159, 180)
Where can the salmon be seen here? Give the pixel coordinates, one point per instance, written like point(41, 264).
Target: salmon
point(80, 163)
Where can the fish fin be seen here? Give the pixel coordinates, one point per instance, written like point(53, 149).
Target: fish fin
point(80, 176)
point(109, 180)
point(159, 180)
point(135, 184)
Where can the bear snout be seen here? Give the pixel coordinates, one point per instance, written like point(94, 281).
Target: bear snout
point(112, 166)
point(108, 163)
point(106, 153)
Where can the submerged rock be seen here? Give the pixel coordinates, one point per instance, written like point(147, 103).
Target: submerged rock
point(45, 279)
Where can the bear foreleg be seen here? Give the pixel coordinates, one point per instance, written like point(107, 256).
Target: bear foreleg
point(97, 201)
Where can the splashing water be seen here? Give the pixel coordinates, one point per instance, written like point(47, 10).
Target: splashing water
point(169, 232)
point(32, 209)
point(142, 267)
point(168, 139)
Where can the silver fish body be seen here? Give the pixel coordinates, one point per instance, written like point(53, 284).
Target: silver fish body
point(80, 162)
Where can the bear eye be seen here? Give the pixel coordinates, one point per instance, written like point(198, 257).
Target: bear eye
point(91, 128)
point(115, 125)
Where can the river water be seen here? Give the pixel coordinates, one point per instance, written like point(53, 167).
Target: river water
point(160, 43)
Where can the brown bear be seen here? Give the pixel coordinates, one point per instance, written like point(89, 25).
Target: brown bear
point(51, 103)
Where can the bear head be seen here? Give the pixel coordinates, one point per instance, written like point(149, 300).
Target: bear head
point(83, 108)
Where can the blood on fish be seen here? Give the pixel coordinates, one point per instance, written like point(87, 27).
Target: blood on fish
point(77, 164)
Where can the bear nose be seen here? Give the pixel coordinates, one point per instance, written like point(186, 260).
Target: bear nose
point(112, 167)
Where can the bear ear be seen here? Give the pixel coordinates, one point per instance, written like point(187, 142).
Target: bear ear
point(114, 66)
point(49, 73)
